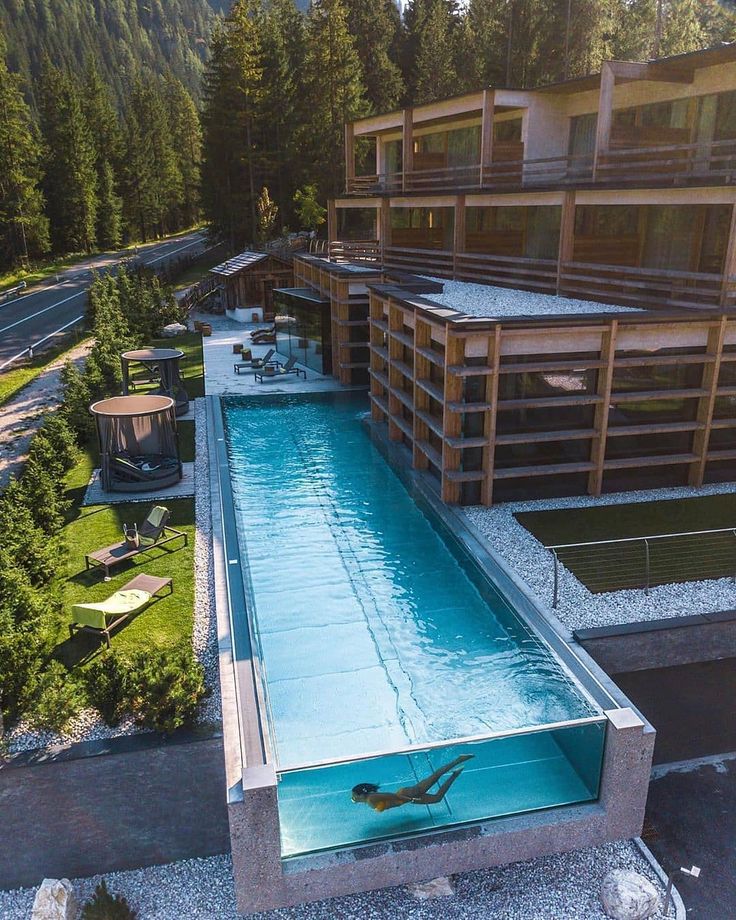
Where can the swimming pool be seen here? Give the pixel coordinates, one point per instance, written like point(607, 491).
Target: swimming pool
point(384, 653)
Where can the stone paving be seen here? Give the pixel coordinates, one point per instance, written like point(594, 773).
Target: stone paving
point(96, 495)
point(23, 415)
point(219, 360)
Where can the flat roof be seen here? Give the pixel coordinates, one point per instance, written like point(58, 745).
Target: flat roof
point(488, 302)
point(302, 294)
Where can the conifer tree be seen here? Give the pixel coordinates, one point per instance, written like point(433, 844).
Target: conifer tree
point(70, 181)
point(24, 230)
point(185, 127)
point(435, 70)
point(482, 46)
point(232, 100)
point(375, 26)
point(107, 137)
point(109, 208)
point(334, 87)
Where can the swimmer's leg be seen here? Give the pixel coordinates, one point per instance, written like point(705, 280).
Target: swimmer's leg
point(433, 798)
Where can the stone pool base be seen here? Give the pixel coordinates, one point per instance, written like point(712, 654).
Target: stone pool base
point(264, 881)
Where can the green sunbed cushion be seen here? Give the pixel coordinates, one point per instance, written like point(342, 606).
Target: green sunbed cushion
point(95, 615)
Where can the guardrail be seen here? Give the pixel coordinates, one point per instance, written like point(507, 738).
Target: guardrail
point(646, 562)
point(11, 292)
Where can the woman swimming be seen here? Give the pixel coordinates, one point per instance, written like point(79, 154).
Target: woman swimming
point(410, 795)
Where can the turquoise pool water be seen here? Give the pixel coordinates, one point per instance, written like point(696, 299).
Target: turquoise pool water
point(374, 637)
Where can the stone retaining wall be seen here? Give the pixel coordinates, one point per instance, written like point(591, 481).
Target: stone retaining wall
point(103, 806)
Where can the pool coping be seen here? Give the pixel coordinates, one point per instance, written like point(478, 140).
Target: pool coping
point(264, 881)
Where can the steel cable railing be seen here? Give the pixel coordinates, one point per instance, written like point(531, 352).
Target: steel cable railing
point(646, 562)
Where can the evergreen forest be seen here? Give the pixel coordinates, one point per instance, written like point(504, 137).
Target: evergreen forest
point(126, 121)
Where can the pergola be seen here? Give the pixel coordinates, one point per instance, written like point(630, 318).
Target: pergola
point(162, 363)
point(139, 447)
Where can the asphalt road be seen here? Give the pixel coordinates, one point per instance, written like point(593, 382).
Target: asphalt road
point(34, 316)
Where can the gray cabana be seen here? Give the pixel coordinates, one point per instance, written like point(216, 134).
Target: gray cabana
point(139, 447)
point(161, 364)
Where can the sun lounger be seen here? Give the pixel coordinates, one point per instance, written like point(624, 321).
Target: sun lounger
point(154, 531)
point(289, 368)
point(102, 617)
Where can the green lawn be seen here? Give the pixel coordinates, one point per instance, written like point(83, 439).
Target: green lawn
point(619, 566)
point(167, 622)
point(13, 381)
point(192, 364)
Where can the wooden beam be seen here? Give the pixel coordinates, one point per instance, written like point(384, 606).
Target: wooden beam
point(706, 404)
point(600, 421)
point(567, 234)
point(729, 260)
point(489, 452)
point(349, 156)
point(407, 153)
point(331, 221)
point(605, 113)
point(486, 132)
point(458, 232)
point(384, 226)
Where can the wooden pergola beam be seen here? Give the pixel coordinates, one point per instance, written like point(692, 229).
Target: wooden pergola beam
point(407, 153)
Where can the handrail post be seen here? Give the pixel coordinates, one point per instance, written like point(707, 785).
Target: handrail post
point(555, 590)
point(646, 566)
point(734, 573)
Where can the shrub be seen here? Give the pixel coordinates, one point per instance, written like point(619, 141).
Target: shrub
point(53, 697)
point(24, 542)
point(105, 906)
point(166, 689)
point(108, 681)
point(56, 440)
point(43, 496)
point(77, 399)
point(20, 662)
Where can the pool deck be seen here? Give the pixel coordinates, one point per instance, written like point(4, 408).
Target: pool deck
point(219, 360)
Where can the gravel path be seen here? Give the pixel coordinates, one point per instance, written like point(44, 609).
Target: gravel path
point(22, 415)
point(555, 888)
point(578, 608)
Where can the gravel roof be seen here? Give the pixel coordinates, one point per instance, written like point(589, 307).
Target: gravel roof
point(578, 608)
point(488, 301)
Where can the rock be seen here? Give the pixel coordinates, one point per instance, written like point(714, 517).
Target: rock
point(168, 332)
point(434, 888)
point(627, 895)
point(55, 901)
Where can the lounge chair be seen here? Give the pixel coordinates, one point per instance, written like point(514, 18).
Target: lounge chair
point(267, 360)
point(143, 468)
point(154, 531)
point(102, 617)
point(289, 368)
point(263, 336)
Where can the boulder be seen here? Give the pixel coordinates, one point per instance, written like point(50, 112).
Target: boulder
point(627, 895)
point(434, 888)
point(168, 332)
point(55, 901)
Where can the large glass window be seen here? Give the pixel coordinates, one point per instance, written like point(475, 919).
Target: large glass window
point(392, 157)
point(423, 228)
point(356, 223)
point(546, 453)
point(649, 445)
point(582, 134)
point(544, 384)
point(549, 418)
point(657, 376)
point(652, 411)
point(463, 146)
point(531, 232)
point(303, 328)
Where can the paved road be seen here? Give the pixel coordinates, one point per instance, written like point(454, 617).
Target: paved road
point(28, 319)
point(691, 811)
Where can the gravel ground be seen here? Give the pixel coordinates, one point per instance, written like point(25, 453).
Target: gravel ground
point(579, 608)
point(486, 300)
point(87, 725)
point(555, 888)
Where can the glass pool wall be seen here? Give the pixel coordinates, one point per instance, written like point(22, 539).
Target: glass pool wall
point(385, 655)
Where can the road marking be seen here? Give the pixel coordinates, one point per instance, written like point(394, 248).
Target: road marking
point(53, 306)
point(41, 341)
point(166, 255)
point(717, 761)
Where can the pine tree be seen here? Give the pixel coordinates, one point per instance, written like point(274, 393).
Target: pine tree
point(184, 125)
point(232, 100)
point(282, 101)
point(375, 26)
point(70, 181)
point(435, 70)
point(267, 214)
point(682, 28)
point(482, 47)
point(334, 87)
point(107, 136)
point(24, 230)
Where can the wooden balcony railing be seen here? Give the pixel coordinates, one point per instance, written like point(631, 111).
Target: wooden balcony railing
point(437, 262)
point(355, 251)
point(668, 163)
point(508, 271)
point(641, 287)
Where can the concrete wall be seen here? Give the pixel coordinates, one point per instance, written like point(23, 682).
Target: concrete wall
point(106, 806)
point(661, 643)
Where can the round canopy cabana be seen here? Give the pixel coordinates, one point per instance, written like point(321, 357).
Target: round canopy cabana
point(161, 363)
point(139, 447)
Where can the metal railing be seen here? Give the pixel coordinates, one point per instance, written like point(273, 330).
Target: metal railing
point(646, 562)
